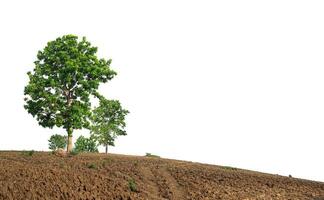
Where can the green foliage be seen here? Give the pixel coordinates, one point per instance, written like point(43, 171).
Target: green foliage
point(67, 71)
point(57, 141)
point(28, 153)
point(229, 168)
point(132, 185)
point(73, 152)
point(84, 144)
point(92, 166)
point(107, 161)
point(108, 121)
point(151, 155)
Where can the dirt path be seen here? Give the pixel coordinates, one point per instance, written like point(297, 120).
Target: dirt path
point(151, 186)
point(168, 186)
point(176, 190)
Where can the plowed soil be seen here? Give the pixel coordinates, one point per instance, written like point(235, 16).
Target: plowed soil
point(98, 176)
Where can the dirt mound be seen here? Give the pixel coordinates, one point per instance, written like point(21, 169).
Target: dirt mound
point(98, 176)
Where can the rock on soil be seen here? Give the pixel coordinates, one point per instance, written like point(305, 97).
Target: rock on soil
point(60, 152)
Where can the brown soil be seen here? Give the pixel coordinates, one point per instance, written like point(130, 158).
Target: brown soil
point(98, 176)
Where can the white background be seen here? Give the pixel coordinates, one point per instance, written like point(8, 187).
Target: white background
point(237, 83)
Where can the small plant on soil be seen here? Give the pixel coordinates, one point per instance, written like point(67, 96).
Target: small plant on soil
point(106, 161)
point(132, 185)
point(152, 155)
point(28, 153)
point(92, 166)
point(229, 168)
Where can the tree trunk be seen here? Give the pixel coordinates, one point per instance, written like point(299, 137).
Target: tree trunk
point(69, 142)
point(69, 129)
point(106, 148)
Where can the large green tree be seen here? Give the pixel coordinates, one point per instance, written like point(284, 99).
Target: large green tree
point(67, 72)
point(108, 122)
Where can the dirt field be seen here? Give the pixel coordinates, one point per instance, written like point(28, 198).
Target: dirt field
point(98, 176)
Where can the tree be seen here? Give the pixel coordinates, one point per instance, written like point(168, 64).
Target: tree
point(108, 121)
point(84, 144)
point(57, 141)
point(67, 72)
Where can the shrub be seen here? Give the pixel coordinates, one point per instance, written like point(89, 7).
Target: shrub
point(229, 168)
point(106, 161)
point(92, 166)
point(84, 144)
point(28, 153)
point(152, 155)
point(57, 142)
point(132, 185)
point(73, 152)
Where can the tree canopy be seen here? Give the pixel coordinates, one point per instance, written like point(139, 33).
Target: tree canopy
point(108, 121)
point(67, 71)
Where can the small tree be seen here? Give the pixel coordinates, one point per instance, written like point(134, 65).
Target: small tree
point(84, 144)
point(108, 122)
point(66, 73)
point(57, 141)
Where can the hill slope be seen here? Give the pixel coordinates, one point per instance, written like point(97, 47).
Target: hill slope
point(98, 176)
